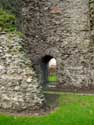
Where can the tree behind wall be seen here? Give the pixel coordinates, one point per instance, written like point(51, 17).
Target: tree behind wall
point(14, 7)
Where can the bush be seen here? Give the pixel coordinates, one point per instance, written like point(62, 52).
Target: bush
point(7, 21)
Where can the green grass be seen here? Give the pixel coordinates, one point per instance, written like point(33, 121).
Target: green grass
point(73, 110)
point(52, 78)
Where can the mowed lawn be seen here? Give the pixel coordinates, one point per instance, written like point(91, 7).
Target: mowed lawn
point(73, 110)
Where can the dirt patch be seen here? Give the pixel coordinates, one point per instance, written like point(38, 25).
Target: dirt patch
point(70, 88)
point(52, 100)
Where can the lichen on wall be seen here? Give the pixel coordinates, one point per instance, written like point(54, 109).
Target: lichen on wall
point(19, 87)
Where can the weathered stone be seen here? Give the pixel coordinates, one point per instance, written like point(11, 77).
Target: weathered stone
point(17, 79)
point(61, 29)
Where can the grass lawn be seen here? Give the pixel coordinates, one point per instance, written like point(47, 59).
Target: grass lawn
point(73, 110)
point(52, 78)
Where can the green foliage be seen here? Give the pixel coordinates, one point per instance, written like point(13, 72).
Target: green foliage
point(13, 6)
point(7, 21)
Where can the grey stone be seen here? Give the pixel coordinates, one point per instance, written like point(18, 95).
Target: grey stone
point(66, 36)
point(17, 77)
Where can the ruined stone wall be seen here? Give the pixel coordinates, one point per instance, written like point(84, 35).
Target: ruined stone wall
point(19, 87)
point(60, 29)
point(91, 45)
point(91, 3)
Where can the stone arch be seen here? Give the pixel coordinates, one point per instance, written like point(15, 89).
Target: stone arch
point(46, 67)
point(55, 53)
point(46, 56)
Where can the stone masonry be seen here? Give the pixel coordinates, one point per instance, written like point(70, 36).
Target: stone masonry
point(19, 87)
point(61, 29)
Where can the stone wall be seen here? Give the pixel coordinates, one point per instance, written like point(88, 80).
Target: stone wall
point(91, 45)
point(91, 3)
point(19, 88)
point(60, 29)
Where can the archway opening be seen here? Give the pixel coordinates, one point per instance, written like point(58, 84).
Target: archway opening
point(49, 70)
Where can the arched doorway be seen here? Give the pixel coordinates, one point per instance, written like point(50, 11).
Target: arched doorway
point(49, 70)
